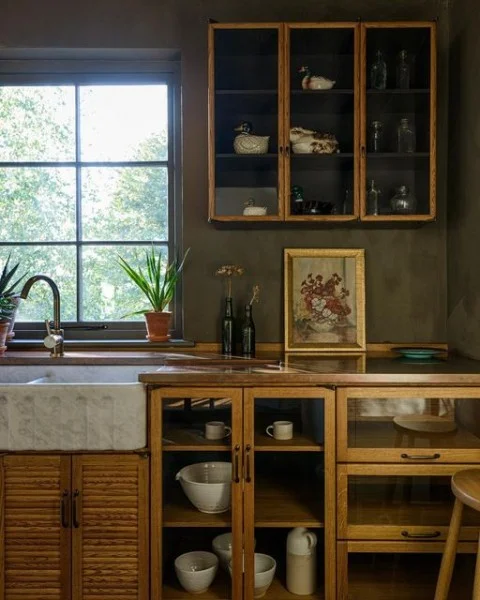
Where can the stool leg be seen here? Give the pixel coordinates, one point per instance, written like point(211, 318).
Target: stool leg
point(448, 559)
point(476, 584)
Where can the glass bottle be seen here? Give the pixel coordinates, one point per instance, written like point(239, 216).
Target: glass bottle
point(228, 328)
point(374, 194)
point(248, 333)
point(406, 136)
point(378, 72)
point(403, 202)
point(403, 71)
point(376, 136)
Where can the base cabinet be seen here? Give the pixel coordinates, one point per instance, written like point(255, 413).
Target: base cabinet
point(275, 485)
point(74, 527)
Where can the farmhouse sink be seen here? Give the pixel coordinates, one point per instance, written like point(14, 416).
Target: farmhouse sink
point(63, 407)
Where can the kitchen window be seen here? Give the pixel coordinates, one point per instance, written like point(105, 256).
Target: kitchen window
point(89, 170)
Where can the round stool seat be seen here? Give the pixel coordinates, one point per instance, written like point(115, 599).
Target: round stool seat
point(466, 487)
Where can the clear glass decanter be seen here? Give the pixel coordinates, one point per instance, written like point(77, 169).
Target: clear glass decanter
point(406, 136)
point(404, 202)
point(374, 194)
point(403, 71)
point(378, 72)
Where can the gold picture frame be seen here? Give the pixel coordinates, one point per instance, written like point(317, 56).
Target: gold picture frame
point(324, 300)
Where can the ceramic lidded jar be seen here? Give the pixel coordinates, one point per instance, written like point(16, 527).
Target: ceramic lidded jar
point(301, 561)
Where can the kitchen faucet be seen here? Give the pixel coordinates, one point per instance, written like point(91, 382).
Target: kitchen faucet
point(54, 338)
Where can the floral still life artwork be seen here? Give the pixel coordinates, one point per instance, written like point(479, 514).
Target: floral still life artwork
point(324, 300)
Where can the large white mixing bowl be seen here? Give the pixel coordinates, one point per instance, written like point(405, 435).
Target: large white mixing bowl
point(207, 485)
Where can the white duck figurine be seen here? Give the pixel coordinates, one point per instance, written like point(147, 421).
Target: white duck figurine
point(247, 143)
point(314, 82)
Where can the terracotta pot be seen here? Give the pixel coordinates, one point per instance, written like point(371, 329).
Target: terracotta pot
point(10, 332)
point(3, 335)
point(158, 325)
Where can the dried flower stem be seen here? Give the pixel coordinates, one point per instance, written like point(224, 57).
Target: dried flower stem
point(255, 294)
point(229, 271)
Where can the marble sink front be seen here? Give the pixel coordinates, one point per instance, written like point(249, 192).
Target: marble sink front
point(64, 407)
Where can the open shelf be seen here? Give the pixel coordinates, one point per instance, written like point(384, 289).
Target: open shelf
point(299, 443)
point(221, 589)
point(384, 434)
point(190, 440)
point(287, 503)
point(179, 512)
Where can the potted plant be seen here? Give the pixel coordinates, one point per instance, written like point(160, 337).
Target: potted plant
point(7, 310)
point(8, 290)
point(158, 284)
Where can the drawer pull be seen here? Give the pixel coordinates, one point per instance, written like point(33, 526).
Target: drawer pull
point(420, 456)
point(422, 536)
point(248, 477)
point(236, 471)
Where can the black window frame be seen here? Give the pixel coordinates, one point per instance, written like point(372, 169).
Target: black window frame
point(104, 67)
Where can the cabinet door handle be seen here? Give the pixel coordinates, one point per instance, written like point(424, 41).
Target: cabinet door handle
point(248, 476)
point(363, 151)
point(423, 536)
point(420, 456)
point(75, 521)
point(280, 149)
point(63, 510)
point(236, 468)
point(287, 150)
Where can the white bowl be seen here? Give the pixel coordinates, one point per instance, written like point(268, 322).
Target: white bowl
point(222, 546)
point(265, 567)
point(196, 570)
point(207, 485)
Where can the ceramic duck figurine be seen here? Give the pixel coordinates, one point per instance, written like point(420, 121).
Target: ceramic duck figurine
point(251, 210)
point(314, 82)
point(247, 143)
point(308, 141)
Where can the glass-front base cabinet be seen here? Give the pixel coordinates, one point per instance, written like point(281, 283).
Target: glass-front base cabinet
point(234, 473)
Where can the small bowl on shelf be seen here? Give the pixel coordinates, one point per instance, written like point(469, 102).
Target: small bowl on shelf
point(265, 567)
point(196, 571)
point(222, 546)
point(207, 485)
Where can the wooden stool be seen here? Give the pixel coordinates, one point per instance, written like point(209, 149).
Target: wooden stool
point(466, 488)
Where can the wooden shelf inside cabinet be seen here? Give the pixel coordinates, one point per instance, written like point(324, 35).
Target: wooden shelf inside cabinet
point(190, 440)
point(278, 591)
point(246, 92)
point(384, 434)
point(397, 155)
point(299, 443)
point(332, 92)
point(338, 156)
point(246, 156)
point(287, 503)
point(178, 512)
point(399, 92)
point(221, 589)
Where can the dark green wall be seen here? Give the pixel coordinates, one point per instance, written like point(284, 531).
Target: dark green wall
point(464, 180)
point(406, 267)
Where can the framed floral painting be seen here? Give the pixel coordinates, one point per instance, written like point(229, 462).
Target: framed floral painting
point(324, 300)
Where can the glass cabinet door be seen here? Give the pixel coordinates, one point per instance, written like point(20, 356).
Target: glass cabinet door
point(286, 464)
point(399, 503)
point(246, 178)
point(398, 121)
point(321, 108)
point(408, 425)
point(377, 573)
point(199, 502)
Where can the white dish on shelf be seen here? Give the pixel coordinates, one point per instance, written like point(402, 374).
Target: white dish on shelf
point(265, 567)
point(196, 570)
point(207, 485)
point(425, 423)
point(222, 546)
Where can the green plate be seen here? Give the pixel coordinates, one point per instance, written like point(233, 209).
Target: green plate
point(419, 353)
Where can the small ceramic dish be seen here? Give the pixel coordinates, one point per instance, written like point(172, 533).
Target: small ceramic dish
point(419, 353)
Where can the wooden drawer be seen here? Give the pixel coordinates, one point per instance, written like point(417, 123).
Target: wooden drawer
point(408, 425)
point(401, 571)
point(399, 503)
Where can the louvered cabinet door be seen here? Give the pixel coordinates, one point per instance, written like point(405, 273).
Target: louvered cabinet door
point(110, 527)
point(35, 557)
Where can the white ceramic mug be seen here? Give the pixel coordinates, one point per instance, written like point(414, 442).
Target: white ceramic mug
point(216, 430)
point(280, 430)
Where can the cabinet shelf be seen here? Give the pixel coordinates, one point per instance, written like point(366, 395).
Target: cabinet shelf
point(332, 92)
point(221, 589)
point(278, 591)
point(287, 503)
point(190, 440)
point(245, 92)
point(247, 156)
point(399, 92)
point(299, 443)
point(338, 156)
point(397, 155)
point(178, 512)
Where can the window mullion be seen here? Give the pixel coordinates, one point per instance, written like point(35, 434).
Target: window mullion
point(78, 207)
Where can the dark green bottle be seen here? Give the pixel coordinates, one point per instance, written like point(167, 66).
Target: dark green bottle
point(228, 328)
point(248, 333)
